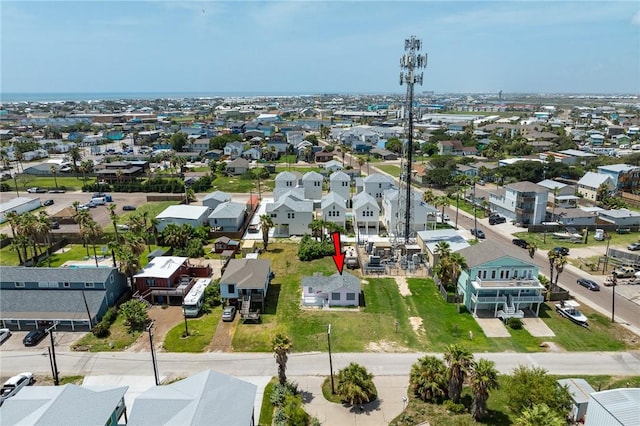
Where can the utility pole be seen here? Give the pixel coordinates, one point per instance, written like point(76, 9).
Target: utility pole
point(333, 391)
point(54, 365)
point(614, 282)
point(153, 353)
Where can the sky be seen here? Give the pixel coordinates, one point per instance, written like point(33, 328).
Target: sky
point(318, 46)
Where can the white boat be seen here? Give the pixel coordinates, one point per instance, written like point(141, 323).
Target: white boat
point(569, 309)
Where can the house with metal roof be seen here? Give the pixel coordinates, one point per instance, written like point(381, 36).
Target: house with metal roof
point(335, 290)
point(213, 199)
point(183, 215)
point(75, 298)
point(375, 184)
point(228, 216)
point(366, 213)
point(19, 205)
point(206, 398)
point(312, 184)
point(614, 407)
point(334, 209)
point(428, 240)
point(64, 405)
point(580, 391)
point(290, 215)
point(340, 183)
point(333, 166)
point(500, 281)
point(619, 217)
point(590, 183)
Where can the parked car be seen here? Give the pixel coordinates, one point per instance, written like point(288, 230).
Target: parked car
point(561, 250)
point(36, 190)
point(5, 333)
point(34, 336)
point(83, 207)
point(128, 208)
point(48, 202)
point(633, 246)
point(478, 233)
point(589, 284)
point(494, 220)
point(520, 243)
point(229, 313)
point(57, 191)
point(123, 227)
point(55, 225)
point(625, 272)
point(14, 384)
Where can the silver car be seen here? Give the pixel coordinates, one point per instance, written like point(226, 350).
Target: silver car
point(5, 333)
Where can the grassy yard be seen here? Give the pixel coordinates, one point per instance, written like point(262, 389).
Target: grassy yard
point(619, 240)
point(201, 332)
point(153, 210)
point(418, 411)
point(266, 409)
point(389, 168)
point(9, 257)
point(235, 184)
point(68, 182)
point(118, 339)
point(467, 207)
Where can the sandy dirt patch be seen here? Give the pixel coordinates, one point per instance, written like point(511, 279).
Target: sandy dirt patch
point(385, 346)
point(403, 286)
point(552, 347)
point(164, 319)
point(416, 324)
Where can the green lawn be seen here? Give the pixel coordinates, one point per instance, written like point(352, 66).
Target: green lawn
point(8, 257)
point(467, 207)
point(266, 410)
point(235, 184)
point(68, 182)
point(201, 332)
point(393, 170)
point(118, 339)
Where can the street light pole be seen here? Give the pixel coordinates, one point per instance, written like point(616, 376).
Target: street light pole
point(184, 313)
point(153, 353)
point(333, 391)
point(614, 281)
point(56, 377)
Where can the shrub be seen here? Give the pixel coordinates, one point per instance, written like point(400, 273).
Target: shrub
point(515, 323)
point(453, 407)
point(135, 314)
point(311, 249)
point(101, 330)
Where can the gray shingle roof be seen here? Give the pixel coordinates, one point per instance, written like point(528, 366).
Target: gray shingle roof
point(490, 250)
point(363, 198)
point(332, 198)
point(49, 304)
point(247, 273)
point(526, 186)
point(229, 209)
point(218, 195)
point(13, 274)
point(333, 282)
point(339, 177)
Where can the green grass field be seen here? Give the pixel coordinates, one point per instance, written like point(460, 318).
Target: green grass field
point(393, 170)
point(201, 332)
point(67, 182)
point(118, 339)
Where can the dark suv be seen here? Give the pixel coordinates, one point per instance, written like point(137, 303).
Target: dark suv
point(520, 243)
point(494, 220)
point(561, 250)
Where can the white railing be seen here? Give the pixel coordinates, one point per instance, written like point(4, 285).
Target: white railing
point(488, 299)
point(528, 299)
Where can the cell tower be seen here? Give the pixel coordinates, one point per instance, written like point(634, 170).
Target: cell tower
point(410, 62)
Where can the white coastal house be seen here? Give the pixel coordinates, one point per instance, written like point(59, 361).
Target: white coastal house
point(524, 202)
point(375, 184)
point(312, 184)
point(335, 290)
point(183, 214)
point(291, 215)
point(422, 214)
point(340, 183)
point(228, 216)
point(285, 182)
point(366, 213)
point(334, 209)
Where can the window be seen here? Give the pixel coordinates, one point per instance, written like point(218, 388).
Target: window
point(89, 285)
point(351, 296)
point(150, 282)
point(231, 288)
point(309, 289)
point(274, 214)
point(291, 215)
point(335, 296)
point(66, 285)
point(316, 183)
point(345, 184)
point(493, 274)
point(20, 285)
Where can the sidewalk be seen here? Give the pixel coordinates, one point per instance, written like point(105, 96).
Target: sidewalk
point(388, 406)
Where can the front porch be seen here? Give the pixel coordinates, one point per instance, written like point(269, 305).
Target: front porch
point(506, 298)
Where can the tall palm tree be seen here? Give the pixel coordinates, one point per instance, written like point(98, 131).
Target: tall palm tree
point(281, 346)
point(317, 226)
point(551, 255)
point(43, 230)
point(442, 249)
point(13, 218)
point(75, 155)
point(428, 378)
point(360, 163)
point(428, 196)
point(461, 182)
point(114, 218)
point(560, 262)
point(355, 384)
point(265, 226)
point(532, 247)
point(54, 171)
point(94, 233)
point(458, 360)
point(483, 377)
point(441, 201)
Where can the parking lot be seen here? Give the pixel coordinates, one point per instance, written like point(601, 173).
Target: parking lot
point(63, 341)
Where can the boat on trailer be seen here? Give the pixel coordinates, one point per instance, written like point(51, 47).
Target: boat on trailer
point(569, 309)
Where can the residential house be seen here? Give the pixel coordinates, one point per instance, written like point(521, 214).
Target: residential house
point(469, 171)
point(340, 183)
point(500, 281)
point(375, 184)
point(197, 143)
point(590, 184)
point(335, 290)
point(276, 147)
point(596, 139)
point(445, 148)
point(384, 154)
point(228, 216)
point(625, 177)
point(573, 217)
point(19, 205)
point(428, 240)
point(183, 214)
point(214, 154)
point(561, 195)
point(613, 407)
point(238, 166)
point(234, 149)
point(619, 217)
point(323, 156)
point(215, 198)
point(75, 298)
point(246, 278)
point(422, 214)
point(206, 398)
point(524, 202)
point(334, 209)
point(312, 184)
point(167, 279)
point(285, 182)
point(291, 215)
point(224, 243)
point(68, 404)
point(580, 391)
point(366, 212)
point(333, 166)
point(254, 153)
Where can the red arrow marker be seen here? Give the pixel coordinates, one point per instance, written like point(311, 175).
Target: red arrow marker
point(338, 258)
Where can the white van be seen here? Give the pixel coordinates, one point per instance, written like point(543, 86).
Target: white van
point(99, 201)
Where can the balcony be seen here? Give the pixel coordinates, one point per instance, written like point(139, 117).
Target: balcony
point(527, 299)
point(524, 208)
point(507, 283)
point(488, 299)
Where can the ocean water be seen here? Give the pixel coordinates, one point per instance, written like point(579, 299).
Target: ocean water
point(96, 96)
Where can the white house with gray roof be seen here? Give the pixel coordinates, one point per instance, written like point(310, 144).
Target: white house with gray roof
point(366, 213)
point(64, 405)
point(613, 407)
point(620, 217)
point(245, 277)
point(340, 183)
point(32, 297)
point(375, 184)
point(334, 290)
point(215, 198)
point(228, 216)
point(333, 166)
point(422, 214)
point(589, 184)
point(290, 215)
point(285, 182)
point(208, 397)
point(183, 214)
point(499, 280)
point(524, 202)
point(312, 184)
point(334, 209)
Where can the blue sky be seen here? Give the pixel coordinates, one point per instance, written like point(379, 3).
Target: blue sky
point(318, 47)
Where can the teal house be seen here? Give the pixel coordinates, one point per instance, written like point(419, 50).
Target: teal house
point(500, 281)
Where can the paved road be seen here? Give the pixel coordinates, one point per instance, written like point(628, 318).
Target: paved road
point(300, 364)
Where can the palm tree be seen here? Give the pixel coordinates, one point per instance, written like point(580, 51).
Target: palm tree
point(560, 261)
point(129, 264)
point(539, 415)
point(442, 249)
point(532, 247)
point(43, 229)
point(317, 226)
point(94, 233)
point(483, 377)
point(428, 378)
point(265, 226)
point(360, 163)
point(13, 218)
point(114, 218)
point(461, 182)
point(459, 361)
point(428, 197)
point(75, 155)
point(551, 255)
point(457, 264)
point(53, 172)
point(281, 346)
point(441, 201)
point(355, 385)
